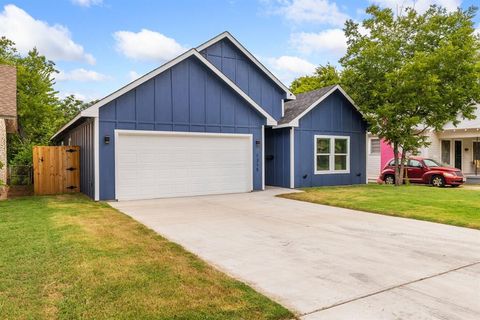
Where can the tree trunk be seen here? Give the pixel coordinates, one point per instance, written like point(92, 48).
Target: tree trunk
point(402, 167)
point(398, 179)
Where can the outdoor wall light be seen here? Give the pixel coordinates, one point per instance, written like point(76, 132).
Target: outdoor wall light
point(106, 139)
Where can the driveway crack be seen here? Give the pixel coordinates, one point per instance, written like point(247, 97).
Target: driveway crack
point(389, 289)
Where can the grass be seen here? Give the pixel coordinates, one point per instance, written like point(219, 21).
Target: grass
point(66, 257)
point(459, 206)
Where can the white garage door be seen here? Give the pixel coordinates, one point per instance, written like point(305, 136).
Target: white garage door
point(172, 164)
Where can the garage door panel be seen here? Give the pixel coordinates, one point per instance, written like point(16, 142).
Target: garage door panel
point(156, 165)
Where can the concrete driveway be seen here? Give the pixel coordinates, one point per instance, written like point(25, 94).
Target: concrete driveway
point(325, 262)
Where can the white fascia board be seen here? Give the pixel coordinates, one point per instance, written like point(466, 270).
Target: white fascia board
point(270, 119)
point(226, 34)
point(295, 122)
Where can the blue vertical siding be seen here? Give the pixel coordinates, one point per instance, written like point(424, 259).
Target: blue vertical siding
point(187, 97)
point(82, 135)
point(333, 116)
point(247, 76)
point(277, 157)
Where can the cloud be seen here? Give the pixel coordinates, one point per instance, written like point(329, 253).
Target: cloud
point(147, 45)
point(311, 11)
point(289, 67)
point(80, 96)
point(419, 5)
point(87, 3)
point(133, 75)
point(330, 41)
point(54, 42)
point(81, 75)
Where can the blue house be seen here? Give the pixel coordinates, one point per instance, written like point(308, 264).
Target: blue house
point(215, 120)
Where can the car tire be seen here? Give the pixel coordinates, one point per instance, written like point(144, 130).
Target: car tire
point(438, 181)
point(389, 179)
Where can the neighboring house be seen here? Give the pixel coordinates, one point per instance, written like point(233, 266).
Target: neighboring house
point(456, 146)
point(8, 111)
point(215, 120)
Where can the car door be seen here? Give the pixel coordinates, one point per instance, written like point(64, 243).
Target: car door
point(415, 170)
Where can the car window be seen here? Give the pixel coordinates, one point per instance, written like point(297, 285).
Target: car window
point(392, 162)
point(414, 163)
point(431, 163)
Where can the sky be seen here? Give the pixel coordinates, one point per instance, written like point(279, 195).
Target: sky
point(101, 45)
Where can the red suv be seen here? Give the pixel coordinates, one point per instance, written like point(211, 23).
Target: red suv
point(423, 170)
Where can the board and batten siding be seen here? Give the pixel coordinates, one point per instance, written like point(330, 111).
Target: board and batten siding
point(334, 116)
point(187, 97)
point(247, 76)
point(83, 136)
point(277, 157)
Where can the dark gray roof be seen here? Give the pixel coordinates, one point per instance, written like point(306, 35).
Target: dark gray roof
point(295, 107)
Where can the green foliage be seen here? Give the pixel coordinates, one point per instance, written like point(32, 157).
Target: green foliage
point(40, 111)
point(323, 76)
point(413, 72)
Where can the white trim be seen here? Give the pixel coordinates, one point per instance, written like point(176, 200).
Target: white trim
point(292, 158)
point(331, 154)
point(283, 108)
point(295, 122)
point(181, 133)
point(227, 35)
point(96, 157)
point(263, 157)
point(92, 111)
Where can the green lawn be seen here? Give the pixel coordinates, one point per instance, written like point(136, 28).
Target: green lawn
point(459, 206)
point(66, 257)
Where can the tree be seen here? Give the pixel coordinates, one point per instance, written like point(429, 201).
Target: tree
point(412, 72)
point(40, 111)
point(36, 106)
point(323, 76)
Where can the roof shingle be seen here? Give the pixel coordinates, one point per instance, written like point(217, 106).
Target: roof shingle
point(295, 107)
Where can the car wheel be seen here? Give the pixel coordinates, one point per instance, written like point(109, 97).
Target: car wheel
point(389, 179)
point(438, 181)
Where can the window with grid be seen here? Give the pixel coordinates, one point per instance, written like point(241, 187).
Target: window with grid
point(374, 146)
point(332, 154)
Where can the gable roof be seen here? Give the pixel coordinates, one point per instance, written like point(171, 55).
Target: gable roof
point(466, 123)
point(92, 111)
point(227, 35)
point(296, 109)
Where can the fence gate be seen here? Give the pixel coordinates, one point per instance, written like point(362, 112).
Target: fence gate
point(56, 169)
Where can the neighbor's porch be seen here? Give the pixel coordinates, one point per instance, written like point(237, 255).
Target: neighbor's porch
point(460, 148)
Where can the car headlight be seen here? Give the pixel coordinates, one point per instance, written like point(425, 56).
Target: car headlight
point(448, 174)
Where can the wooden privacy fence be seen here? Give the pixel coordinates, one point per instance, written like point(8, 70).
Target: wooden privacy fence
point(56, 169)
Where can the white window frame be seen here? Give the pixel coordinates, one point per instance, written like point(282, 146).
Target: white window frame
point(331, 154)
point(370, 146)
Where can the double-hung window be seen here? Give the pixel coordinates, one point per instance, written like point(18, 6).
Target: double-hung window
point(332, 154)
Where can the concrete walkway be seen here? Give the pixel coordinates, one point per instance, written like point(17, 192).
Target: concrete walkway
point(325, 262)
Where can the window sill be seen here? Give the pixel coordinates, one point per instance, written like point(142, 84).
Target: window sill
point(332, 172)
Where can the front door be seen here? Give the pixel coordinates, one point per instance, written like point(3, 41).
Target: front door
point(415, 170)
point(458, 154)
